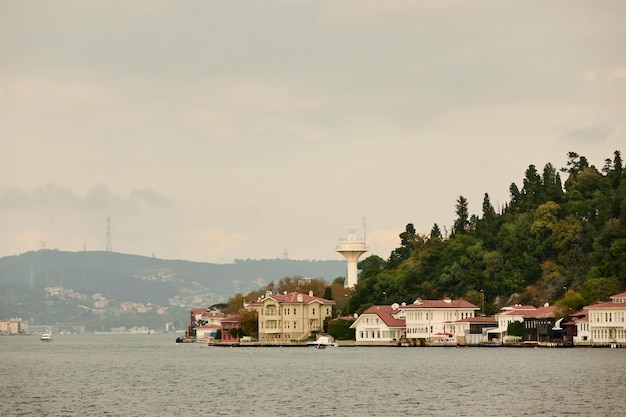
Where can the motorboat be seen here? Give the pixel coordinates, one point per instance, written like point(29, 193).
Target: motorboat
point(323, 342)
point(46, 337)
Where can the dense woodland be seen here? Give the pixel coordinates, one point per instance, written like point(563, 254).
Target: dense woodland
point(554, 242)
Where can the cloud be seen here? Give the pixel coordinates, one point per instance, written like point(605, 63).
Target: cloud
point(150, 198)
point(98, 197)
point(215, 244)
point(589, 134)
point(620, 73)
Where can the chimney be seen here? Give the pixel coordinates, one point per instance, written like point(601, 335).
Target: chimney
point(311, 293)
point(299, 298)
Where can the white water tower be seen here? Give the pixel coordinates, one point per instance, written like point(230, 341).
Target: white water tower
point(352, 247)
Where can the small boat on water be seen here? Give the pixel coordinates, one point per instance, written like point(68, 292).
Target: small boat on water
point(46, 337)
point(323, 342)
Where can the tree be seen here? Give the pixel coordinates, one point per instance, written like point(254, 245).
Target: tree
point(407, 243)
point(328, 293)
point(340, 329)
point(435, 232)
point(570, 303)
point(249, 321)
point(515, 328)
point(462, 215)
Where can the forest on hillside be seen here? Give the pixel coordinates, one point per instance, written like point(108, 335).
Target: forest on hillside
point(554, 242)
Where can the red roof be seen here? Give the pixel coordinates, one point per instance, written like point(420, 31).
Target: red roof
point(541, 313)
point(620, 295)
point(232, 319)
point(478, 320)
point(292, 297)
point(426, 304)
point(385, 314)
point(606, 304)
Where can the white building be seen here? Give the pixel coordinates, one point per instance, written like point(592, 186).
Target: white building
point(380, 325)
point(607, 322)
point(426, 319)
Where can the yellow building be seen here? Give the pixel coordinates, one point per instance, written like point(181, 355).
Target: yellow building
point(290, 317)
point(13, 326)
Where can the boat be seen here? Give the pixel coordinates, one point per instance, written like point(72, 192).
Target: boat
point(323, 342)
point(46, 337)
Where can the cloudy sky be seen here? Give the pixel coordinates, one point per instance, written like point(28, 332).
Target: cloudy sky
point(215, 130)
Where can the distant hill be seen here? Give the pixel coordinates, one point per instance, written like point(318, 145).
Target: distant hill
point(116, 279)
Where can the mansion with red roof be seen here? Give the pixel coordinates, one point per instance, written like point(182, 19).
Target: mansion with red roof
point(453, 322)
point(295, 317)
point(600, 324)
point(290, 317)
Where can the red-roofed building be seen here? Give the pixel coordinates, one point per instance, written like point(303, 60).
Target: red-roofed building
point(576, 330)
point(539, 325)
point(607, 322)
point(230, 329)
point(380, 325)
point(425, 319)
point(291, 317)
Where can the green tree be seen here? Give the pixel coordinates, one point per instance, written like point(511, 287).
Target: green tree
point(407, 243)
point(249, 321)
point(515, 328)
point(462, 216)
point(340, 329)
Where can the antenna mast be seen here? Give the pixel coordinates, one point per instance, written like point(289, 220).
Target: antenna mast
point(108, 244)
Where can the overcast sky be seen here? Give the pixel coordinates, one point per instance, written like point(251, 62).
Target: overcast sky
point(215, 130)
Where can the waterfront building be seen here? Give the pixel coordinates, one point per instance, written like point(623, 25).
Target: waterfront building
point(607, 322)
point(290, 317)
point(506, 316)
point(380, 325)
point(576, 330)
point(540, 325)
point(13, 326)
point(426, 319)
point(228, 326)
point(473, 329)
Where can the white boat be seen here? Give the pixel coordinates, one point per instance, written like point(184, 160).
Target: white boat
point(46, 337)
point(323, 342)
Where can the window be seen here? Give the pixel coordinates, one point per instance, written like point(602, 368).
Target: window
point(313, 310)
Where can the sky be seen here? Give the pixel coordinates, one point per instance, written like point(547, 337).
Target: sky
point(219, 130)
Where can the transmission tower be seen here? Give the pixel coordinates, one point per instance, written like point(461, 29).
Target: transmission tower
point(108, 246)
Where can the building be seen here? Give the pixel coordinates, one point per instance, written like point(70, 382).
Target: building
point(290, 317)
point(576, 330)
point(13, 326)
point(473, 329)
point(539, 325)
point(506, 316)
point(352, 248)
point(607, 321)
point(380, 325)
point(426, 319)
point(204, 324)
point(230, 330)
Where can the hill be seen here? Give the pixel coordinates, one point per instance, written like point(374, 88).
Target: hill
point(101, 288)
point(554, 242)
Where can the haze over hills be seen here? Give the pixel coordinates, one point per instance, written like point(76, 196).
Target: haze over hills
point(103, 289)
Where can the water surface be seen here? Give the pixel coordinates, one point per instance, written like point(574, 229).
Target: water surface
point(149, 375)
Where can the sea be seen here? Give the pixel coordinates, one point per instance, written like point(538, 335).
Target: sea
point(151, 375)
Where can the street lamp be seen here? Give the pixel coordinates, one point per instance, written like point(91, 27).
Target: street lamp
point(385, 295)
